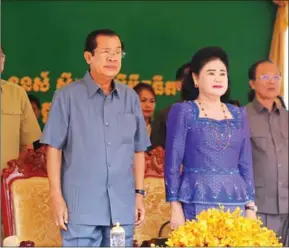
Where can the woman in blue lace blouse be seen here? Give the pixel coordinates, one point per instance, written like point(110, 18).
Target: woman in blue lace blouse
point(208, 159)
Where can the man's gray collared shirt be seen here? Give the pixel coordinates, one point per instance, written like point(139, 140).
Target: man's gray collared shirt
point(98, 135)
point(269, 136)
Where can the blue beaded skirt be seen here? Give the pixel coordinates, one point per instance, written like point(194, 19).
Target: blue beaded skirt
point(191, 210)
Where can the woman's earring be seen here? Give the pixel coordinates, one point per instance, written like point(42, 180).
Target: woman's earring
point(196, 85)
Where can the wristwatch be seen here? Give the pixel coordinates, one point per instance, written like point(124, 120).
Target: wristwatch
point(252, 208)
point(141, 192)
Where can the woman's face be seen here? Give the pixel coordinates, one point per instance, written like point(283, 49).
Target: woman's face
point(148, 103)
point(212, 79)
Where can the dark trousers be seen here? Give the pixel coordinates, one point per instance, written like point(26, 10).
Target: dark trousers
point(279, 224)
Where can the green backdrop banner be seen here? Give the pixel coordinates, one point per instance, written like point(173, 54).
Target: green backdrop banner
point(44, 40)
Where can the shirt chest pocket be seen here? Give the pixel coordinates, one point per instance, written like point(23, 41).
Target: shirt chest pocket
point(126, 127)
point(11, 115)
point(259, 139)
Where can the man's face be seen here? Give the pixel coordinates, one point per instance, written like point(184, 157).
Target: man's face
point(106, 59)
point(268, 81)
point(2, 61)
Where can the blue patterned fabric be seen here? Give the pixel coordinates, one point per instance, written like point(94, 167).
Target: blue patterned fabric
point(211, 174)
point(192, 210)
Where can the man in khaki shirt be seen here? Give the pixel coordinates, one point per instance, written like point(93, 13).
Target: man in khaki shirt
point(269, 136)
point(19, 126)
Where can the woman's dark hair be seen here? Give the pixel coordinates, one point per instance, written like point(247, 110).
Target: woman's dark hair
point(202, 57)
point(144, 86)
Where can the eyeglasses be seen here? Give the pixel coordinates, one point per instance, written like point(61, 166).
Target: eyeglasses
point(268, 78)
point(109, 53)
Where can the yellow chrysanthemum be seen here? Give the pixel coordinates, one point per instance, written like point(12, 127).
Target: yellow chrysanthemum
point(217, 227)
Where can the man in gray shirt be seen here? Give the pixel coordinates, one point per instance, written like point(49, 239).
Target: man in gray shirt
point(158, 136)
point(269, 137)
point(96, 137)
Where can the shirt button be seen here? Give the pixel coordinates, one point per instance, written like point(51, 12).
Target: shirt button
point(279, 165)
point(106, 123)
point(109, 165)
point(108, 143)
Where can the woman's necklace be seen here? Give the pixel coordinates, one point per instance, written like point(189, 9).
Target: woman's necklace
point(216, 133)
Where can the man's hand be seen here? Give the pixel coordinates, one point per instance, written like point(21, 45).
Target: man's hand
point(59, 210)
point(139, 209)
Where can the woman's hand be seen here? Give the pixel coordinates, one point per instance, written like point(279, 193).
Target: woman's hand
point(177, 215)
point(251, 214)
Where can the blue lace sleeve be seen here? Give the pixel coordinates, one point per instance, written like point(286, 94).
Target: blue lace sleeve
point(174, 149)
point(245, 158)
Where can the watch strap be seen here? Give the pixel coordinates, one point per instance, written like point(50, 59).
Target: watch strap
point(252, 208)
point(140, 191)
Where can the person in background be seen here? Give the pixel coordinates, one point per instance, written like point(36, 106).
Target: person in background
point(19, 126)
point(35, 105)
point(147, 98)
point(211, 139)
point(158, 136)
point(96, 137)
point(153, 157)
point(269, 136)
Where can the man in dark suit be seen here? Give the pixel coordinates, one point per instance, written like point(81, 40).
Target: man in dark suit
point(158, 135)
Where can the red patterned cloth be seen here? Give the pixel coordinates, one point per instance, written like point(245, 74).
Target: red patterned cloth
point(155, 162)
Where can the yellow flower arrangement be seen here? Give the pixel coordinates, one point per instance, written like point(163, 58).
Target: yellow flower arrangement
point(217, 227)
